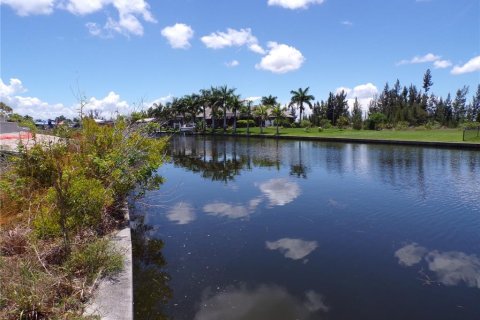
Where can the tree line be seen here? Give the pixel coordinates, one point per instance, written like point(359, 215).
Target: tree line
point(396, 106)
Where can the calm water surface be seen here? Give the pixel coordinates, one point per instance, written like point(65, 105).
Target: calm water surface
point(266, 229)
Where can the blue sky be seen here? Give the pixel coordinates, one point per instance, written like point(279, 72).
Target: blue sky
point(119, 52)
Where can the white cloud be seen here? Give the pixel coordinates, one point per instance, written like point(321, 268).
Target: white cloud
point(162, 100)
point(365, 93)
point(181, 213)
point(429, 57)
point(108, 106)
point(32, 106)
point(256, 48)
point(471, 66)
point(178, 35)
point(281, 58)
point(232, 63)
point(30, 7)
point(294, 4)
point(347, 23)
point(410, 254)
point(129, 12)
point(83, 7)
point(295, 249)
point(15, 86)
point(280, 191)
point(232, 38)
point(442, 64)
point(240, 302)
point(436, 60)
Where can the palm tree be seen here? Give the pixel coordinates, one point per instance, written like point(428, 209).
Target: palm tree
point(192, 104)
point(262, 113)
point(236, 104)
point(204, 102)
point(301, 97)
point(225, 93)
point(249, 115)
point(269, 100)
point(277, 112)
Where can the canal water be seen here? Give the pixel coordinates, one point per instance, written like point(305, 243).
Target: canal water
point(283, 230)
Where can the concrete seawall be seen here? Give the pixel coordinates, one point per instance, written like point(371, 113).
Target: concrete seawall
point(113, 298)
point(434, 144)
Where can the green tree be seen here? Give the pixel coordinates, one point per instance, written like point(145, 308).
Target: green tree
point(224, 94)
point(269, 100)
point(262, 113)
point(5, 109)
point(458, 105)
point(427, 80)
point(301, 98)
point(357, 115)
point(278, 113)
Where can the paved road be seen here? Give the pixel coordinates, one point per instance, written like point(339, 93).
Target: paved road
point(10, 127)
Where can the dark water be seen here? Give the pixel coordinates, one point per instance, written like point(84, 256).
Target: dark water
point(266, 229)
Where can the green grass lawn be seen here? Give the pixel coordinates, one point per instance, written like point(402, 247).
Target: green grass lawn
point(434, 135)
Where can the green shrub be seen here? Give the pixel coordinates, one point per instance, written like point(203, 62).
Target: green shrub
point(325, 124)
point(470, 125)
point(305, 124)
point(376, 121)
point(401, 125)
point(243, 123)
point(343, 122)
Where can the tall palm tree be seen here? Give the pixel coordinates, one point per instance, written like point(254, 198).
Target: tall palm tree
point(236, 104)
point(192, 105)
point(204, 101)
point(262, 113)
point(214, 101)
point(301, 97)
point(278, 113)
point(269, 100)
point(225, 93)
point(249, 115)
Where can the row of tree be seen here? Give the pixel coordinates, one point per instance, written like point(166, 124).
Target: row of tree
point(398, 104)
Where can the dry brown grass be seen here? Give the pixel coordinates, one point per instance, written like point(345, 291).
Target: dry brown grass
point(36, 282)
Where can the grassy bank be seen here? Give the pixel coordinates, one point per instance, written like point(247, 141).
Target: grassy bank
point(433, 135)
point(59, 202)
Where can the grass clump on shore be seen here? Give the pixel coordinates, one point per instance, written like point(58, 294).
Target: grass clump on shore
point(58, 204)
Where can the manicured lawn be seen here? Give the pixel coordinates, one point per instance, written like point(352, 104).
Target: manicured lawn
point(437, 135)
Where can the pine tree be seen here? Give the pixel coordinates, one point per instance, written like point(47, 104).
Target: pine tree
point(427, 81)
point(357, 115)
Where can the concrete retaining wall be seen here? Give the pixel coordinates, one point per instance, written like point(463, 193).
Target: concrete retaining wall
point(113, 299)
point(435, 144)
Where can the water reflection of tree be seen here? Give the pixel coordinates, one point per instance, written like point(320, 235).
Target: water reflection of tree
point(299, 169)
point(221, 165)
point(150, 282)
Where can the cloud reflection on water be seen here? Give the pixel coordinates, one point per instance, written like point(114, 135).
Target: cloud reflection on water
point(224, 209)
point(292, 248)
point(451, 268)
point(263, 302)
point(410, 254)
point(181, 213)
point(280, 191)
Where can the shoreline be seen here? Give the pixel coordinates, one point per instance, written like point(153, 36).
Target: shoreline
point(437, 144)
point(112, 298)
